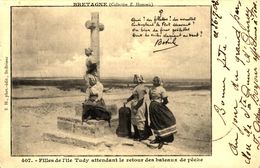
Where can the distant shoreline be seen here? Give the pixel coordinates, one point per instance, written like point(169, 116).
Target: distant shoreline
point(69, 84)
point(121, 79)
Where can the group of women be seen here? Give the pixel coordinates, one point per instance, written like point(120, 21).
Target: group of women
point(149, 106)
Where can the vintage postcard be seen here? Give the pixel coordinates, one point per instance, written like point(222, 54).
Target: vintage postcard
point(133, 84)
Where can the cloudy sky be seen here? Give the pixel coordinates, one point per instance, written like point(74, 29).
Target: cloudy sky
point(50, 42)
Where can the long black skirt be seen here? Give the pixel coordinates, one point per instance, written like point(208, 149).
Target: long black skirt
point(163, 122)
point(95, 111)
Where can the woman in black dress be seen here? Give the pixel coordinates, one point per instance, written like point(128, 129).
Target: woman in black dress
point(163, 122)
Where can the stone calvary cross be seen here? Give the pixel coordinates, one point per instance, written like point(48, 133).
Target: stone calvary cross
point(95, 27)
point(74, 132)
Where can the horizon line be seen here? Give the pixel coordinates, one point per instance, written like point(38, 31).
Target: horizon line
point(113, 77)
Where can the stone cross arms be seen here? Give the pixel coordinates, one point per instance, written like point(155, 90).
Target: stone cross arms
point(95, 27)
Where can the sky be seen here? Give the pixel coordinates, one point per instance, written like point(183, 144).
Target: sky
point(50, 42)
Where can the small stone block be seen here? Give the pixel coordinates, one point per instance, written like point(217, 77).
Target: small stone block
point(65, 125)
point(99, 123)
point(69, 119)
point(92, 128)
point(92, 131)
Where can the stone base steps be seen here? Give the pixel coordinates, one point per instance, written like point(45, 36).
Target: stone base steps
point(78, 140)
point(71, 130)
point(92, 128)
point(92, 142)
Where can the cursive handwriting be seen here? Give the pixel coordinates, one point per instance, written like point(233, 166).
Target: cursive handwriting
point(256, 86)
point(248, 77)
point(235, 83)
point(215, 18)
point(223, 91)
point(249, 40)
point(164, 29)
point(234, 146)
point(256, 56)
point(256, 141)
point(235, 118)
point(246, 92)
point(256, 123)
point(223, 57)
point(240, 61)
point(221, 112)
point(169, 43)
point(247, 154)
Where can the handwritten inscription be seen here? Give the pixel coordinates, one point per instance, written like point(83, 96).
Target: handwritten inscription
point(238, 60)
point(222, 57)
point(223, 92)
point(256, 123)
point(216, 17)
point(244, 30)
point(168, 42)
point(234, 146)
point(165, 29)
point(247, 154)
point(221, 112)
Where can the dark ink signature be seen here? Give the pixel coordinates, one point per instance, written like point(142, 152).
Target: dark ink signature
point(168, 43)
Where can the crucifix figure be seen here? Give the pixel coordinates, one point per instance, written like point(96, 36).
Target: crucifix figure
point(95, 27)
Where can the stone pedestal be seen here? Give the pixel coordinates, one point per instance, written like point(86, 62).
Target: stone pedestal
point(71, 130)
point(91, 128)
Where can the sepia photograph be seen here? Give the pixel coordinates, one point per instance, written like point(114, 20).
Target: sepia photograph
point(118, 81)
